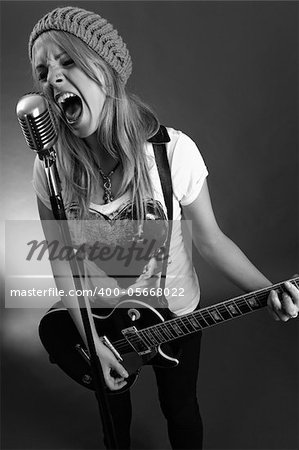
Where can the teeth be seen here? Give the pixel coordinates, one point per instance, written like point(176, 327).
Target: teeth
point(64, 96)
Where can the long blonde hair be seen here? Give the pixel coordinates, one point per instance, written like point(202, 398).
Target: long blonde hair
point(124, 126)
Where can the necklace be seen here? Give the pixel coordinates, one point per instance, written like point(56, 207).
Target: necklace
point(108, 197)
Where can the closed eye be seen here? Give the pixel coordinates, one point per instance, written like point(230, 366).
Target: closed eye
point(67, 62)
point(42, 74)
point(42, 71)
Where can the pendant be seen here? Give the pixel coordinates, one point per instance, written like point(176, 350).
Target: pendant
point(108, 197)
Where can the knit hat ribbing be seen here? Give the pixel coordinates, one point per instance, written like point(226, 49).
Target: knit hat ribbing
point(92, 29)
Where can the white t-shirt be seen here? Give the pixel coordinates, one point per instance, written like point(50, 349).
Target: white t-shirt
point(117, 271)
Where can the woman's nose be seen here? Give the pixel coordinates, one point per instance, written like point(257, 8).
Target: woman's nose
point(55, 77)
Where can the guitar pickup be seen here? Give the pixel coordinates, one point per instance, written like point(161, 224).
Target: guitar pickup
point(134, 339)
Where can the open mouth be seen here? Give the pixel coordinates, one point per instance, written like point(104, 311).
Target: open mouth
point(71, 106)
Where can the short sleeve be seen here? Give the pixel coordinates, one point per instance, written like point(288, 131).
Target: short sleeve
point(39, 183)
point(188, 170)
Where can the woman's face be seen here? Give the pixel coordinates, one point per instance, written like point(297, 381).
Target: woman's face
point(79, 98)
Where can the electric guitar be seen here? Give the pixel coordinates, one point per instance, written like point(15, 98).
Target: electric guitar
point(138, 333)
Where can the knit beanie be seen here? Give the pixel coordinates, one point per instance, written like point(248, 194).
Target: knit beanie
point(92, 29)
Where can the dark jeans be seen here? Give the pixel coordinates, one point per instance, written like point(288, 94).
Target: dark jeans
point(177, 396)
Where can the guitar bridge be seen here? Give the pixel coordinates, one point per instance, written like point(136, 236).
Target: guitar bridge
point(135, 340)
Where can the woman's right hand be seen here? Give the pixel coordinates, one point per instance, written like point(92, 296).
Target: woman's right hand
point(109, 363)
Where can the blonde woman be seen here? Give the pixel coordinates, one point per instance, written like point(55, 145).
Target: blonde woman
point(108, 171)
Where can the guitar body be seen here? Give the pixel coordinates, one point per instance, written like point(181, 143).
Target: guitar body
point(63, 342)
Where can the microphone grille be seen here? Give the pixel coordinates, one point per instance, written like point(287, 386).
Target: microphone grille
point(37, 122)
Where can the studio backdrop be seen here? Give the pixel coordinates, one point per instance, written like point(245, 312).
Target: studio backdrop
point(225, 73)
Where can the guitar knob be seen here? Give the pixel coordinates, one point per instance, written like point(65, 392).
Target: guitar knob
point(134, 314)
point(86, 379)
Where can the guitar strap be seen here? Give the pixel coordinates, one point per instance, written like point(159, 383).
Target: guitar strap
point(159, 142)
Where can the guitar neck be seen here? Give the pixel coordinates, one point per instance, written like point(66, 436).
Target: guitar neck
point(211, 315)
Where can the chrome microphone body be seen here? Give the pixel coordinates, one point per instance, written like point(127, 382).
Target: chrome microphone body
point(39, 129)
point(37, 122)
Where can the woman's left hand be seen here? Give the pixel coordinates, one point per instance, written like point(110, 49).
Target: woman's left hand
point(285, 306)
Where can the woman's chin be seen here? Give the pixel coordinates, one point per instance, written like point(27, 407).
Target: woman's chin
point(81, 129)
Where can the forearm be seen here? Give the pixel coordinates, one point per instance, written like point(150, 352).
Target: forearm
point(226, 256)
point(65, 283)
point(223, 254)
point(114, 373)
point(62, 272)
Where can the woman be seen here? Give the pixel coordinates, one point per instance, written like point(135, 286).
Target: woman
point(109, 172)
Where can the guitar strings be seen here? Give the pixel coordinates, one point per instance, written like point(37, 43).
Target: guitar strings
point(204, 313)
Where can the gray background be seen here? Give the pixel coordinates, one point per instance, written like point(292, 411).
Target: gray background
point(226, 74)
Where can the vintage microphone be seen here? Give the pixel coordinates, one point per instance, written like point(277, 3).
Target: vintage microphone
point(40, 131)
point(39, 128)
point(37, 122)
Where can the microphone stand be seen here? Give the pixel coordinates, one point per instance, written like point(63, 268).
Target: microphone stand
point(49, 159)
